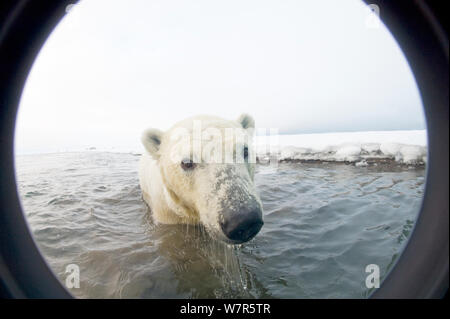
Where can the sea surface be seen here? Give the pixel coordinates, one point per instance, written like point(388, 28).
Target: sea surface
point(324, 223)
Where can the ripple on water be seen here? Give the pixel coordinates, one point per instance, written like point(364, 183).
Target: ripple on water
point(323, 224)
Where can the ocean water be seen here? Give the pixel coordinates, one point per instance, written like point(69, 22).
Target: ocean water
point(324, 223)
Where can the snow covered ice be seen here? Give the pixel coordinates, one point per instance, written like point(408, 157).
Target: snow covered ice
point(403, 147)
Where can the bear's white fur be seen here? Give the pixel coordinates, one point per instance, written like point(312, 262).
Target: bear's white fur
point(180, 195)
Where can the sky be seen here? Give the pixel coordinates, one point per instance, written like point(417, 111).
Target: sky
point(112, 68)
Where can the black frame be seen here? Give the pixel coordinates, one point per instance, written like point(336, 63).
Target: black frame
point(418, 26)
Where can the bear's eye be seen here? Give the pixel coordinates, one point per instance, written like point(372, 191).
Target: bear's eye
point(245, 152)
point(187, 164)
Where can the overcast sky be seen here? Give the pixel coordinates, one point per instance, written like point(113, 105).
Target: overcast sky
point(113, 68)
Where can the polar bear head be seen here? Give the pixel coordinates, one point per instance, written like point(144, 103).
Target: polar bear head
point(207, 167)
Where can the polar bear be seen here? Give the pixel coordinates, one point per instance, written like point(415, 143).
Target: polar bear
point(201, 172)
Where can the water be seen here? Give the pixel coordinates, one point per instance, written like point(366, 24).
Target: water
point(324, 223)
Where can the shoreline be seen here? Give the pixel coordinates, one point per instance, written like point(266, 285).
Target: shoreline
point(370, 162)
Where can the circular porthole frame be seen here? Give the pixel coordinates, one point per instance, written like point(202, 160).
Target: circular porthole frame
point(418, 26)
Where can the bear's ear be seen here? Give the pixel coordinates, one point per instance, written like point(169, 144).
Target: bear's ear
point(246, 121)
point(151, 139)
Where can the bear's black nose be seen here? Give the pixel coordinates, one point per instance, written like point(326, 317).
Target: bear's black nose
point(243, 225)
